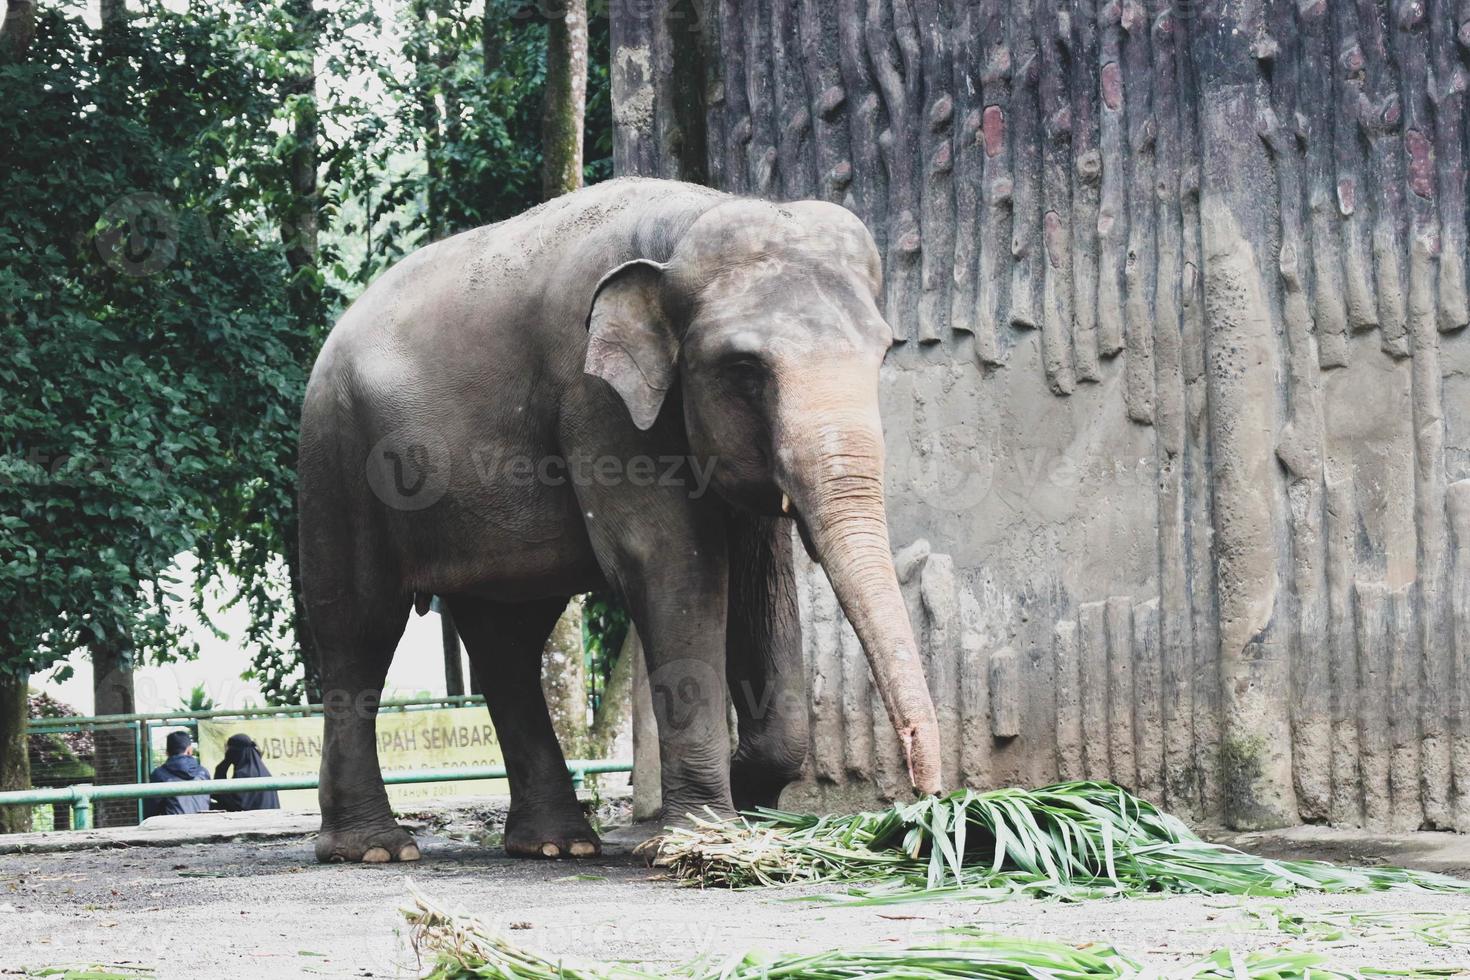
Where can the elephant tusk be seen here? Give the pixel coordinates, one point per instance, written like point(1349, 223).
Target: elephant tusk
point(785, 504)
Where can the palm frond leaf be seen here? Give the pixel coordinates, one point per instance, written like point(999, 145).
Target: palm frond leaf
point(1071, 840)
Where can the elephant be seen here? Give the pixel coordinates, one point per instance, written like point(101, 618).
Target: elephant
point(637, 386)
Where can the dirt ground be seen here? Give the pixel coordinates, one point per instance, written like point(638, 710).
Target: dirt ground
point(252, 902)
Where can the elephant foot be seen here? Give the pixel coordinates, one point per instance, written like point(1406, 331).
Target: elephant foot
point(375, 846)
point(550, 833)
point(751, 787)
point(692, 814)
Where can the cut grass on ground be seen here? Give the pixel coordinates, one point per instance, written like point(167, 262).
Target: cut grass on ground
point(1435, 927)
point(458, 947)
point(1072, 840)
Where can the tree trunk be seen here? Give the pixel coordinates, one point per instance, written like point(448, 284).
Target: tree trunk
point(453, 659)
point(648, 795)
point(563, 681)
point(566, 98)
point(15, 764)
point(116, 759)
point(300, 627)
point(490, 52)
point(300, 228)
point(428, 118)
point(18, 31)
point(301, 220)
point(113, 15)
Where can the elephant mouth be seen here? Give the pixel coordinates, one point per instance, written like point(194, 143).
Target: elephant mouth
point(806, 536)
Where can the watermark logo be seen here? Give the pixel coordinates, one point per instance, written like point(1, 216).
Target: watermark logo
point(684, 693)
point(138, 235)
point(409, 470)
point(946, 467)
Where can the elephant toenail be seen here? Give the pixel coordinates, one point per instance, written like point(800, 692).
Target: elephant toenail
point(583, 849)
point(409, 852)
point(550, 850)
point(376, 855)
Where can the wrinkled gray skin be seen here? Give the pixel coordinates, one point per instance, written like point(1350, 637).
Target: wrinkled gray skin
point(637, 319)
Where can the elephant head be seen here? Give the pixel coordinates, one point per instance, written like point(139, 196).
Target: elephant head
point(765, 318)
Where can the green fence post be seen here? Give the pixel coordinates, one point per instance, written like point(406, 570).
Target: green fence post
point(144, 769)
point(81, 807)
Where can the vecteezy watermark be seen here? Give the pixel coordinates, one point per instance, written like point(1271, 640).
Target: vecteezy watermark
point(957, 468)
point(412, 469)
point(495, 467)
point(947, 467)
point(138, 235)
point(142, 234)
point(687, 694)
point(409, 470)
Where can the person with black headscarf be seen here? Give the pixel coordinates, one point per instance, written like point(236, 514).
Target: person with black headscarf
point(242, 753)
point(180, 767)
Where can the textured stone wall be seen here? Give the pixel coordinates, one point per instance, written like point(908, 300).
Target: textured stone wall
point(1179, 422)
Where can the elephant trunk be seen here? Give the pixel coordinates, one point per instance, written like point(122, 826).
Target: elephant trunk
point(835, 478)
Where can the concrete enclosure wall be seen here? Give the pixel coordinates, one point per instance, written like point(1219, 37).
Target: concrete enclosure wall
point(1179, 421)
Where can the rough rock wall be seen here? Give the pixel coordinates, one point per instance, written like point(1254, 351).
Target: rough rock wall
point(1179, 421)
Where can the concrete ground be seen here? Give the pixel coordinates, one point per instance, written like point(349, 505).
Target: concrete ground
point(241, 896)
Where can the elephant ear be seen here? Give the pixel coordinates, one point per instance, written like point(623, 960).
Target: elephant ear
point(631, 342)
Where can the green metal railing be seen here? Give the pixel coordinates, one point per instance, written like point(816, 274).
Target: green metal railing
point(141, 724)
point(81, 797)
point(72, 723)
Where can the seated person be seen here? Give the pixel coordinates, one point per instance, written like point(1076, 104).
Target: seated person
point(180, 767)
point(242, 753)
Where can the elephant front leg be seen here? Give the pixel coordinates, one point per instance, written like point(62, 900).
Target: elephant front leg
point(678, 608)
point(764, 666)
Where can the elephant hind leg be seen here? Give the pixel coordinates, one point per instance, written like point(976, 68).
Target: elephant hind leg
point(505, 643)
point(355, 640)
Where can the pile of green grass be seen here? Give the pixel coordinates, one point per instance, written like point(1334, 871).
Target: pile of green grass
point(1074, 840)
point(459, 948)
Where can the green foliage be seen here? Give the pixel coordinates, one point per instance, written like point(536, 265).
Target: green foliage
point(152, 369)
point(197, 700)
point(455, 142)
point(158, 316)
point(61, 758)
point(1073, 840)
point(605, 625)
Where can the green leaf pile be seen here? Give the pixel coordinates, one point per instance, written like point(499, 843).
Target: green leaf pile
point(1074, 840)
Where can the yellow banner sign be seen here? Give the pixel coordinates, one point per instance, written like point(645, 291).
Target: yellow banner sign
point(433, 739)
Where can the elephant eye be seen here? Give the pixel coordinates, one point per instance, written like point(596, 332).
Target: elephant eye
point(745, 374)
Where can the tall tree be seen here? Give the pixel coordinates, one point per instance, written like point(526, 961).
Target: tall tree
point(18, 30)
point(300, 230)
point(111, 651)
point(563, 675)
point(566, 97)
point(15, 764)
point(149, 349)
point(15, 770)
point(425, 52)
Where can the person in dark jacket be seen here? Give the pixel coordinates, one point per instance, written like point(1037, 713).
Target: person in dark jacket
point(242, 753)
point(180, 767)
